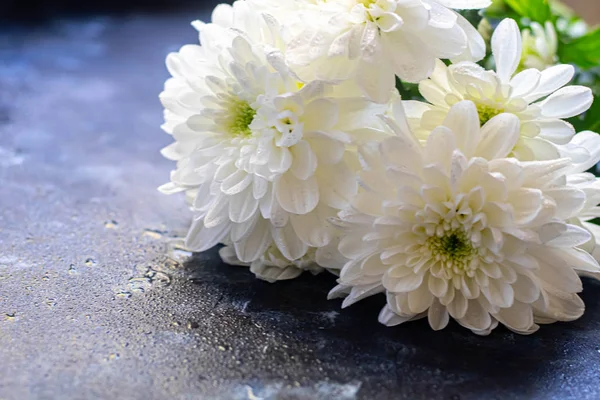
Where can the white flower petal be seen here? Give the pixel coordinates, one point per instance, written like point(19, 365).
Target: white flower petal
point(404, 284)
point(388, 318)
point(432, 92)
point(361, 292)
point(519, 318)
point(241, 231)
point(228, 256)
point(526, 289)
point(337, 185)
point(440, 147)
point(499, 293)
point(525, 82)
point(295, 195)
point(437, 286)
point(236, 182)
point(591, 142)
point(320, 115)
point(420, 300)
point(551, 79)
point(506, 48)
point(288, 242)
point(438, 316)
point(458, 307)
point(313, 228)
point(441, 17)
point(217, 212)
point(568, 236)
point(327, 150)
point(376, 80)
point(253, 246)
point(567, 102)
point(476, 318)
point(242, 206)
point(305, 160)
point(411, 62)
point(389, 22)
point(498, 136)
point(271, 273)
point(475, 44)
point(553, 271)
point(200, 238)
point(561, 306)
point(465, 4)
point(463, 120)
point(556, 130)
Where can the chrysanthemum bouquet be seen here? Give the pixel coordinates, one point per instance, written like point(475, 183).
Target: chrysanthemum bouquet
point(410, 147)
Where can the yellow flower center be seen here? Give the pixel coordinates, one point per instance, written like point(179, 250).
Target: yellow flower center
point(486, 113)
point(242, 116)
point(453, 249)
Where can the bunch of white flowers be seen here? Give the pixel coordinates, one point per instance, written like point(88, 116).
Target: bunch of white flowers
point(297, 153)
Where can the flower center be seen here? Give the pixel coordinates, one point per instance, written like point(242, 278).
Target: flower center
point(486, 113)
point(453, 249)
point(241, 118)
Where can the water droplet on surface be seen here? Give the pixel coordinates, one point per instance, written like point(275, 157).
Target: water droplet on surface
point(50, 302)
point(72, 270)
point(153, 233)
point(90, 262)
point(192, 325)
point(138, 285)
point(157, 278)
point(176, 251)
point(123, 295)
point(10, 317)
point(112, 224)
point(113, 356)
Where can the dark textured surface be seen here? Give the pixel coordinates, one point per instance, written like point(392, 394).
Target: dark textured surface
point(94, 305)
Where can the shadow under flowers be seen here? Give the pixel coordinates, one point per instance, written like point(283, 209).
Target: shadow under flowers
point(411, 360)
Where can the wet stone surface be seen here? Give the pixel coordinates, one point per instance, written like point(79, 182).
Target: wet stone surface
point(97, 300)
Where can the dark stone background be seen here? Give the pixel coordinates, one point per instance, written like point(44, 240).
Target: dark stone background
point(96, 301)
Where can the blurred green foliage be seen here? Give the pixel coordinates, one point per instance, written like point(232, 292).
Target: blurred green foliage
point(534, 10)
point(583, 51)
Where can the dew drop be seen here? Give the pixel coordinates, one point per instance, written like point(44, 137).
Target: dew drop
point(72, 270)
point(112, 224)
point(153, 233)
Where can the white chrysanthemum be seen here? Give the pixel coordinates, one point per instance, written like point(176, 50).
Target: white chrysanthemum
point(371, 41)
point(453, 228)
point(535, 97)
point(274, 266)
point(540, 45)
point(263, 154)
point(590, 185)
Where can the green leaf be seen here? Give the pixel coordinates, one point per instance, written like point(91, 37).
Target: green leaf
point(583, 51)
point(408, 91)
point(535, 10)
